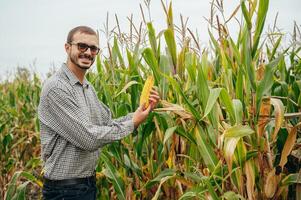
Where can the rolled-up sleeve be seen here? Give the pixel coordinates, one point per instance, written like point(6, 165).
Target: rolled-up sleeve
point(65, 117)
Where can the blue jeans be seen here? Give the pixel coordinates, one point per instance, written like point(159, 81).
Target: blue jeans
point(81, 191)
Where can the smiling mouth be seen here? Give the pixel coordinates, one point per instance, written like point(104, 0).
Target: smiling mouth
point(85, 59)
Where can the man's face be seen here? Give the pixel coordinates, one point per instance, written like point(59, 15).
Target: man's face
point(77, 53)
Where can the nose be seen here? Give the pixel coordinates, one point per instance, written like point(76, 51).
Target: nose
point(88, 51)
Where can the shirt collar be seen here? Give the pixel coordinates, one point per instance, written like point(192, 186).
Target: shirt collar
point(73, 79)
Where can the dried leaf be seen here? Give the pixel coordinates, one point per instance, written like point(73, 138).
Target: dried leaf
point(163, 180)
point(279, 115)
point(129, 192)
point(250, 179)
point(271, 184)
point(99, 175)
point(229, 148)
point(128, 85)
point(260, 72)
point(171, 158)
point(232, 136)
point(289, 144)
point(177, 109)
point(264, 115)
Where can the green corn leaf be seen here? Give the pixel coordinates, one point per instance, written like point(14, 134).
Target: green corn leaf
point(197, 192)
point(247, 59)
point(183, 133)
point(191, 66)
point(168, 133)
point(226, 101)
point(235, 51)
point(215, 43)
point(148, 127)
point(241, 152)
point(12, 186)
point(165, 69)
point(265, 85)
point(117, 182)
point(107, 93)
point(20, 193)
point(205, 150)
point(237, 105)
point(131, 61)
point(230, 195)
point(172, 47)
point(193, 176)
point(291, 179)
point(159, 177)
point(132, 165)
point(152, 62)
point(211, 190)
point(181, 60)
point(189, 195)
point(272, 56)
point(239, 86)
point(238, 131)
point(203, 88)
point(99, 66)
point(246, 14)
point(152, 38)
point(170, 17)
point(214, 94)
point(116, 52)
point(262, 13)
point(177, 87)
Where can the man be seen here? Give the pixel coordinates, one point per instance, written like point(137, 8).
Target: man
point(75, 125)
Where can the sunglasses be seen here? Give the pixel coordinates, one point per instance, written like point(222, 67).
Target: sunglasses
point(82, 47)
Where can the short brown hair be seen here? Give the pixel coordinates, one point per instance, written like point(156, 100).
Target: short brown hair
point(81, 29)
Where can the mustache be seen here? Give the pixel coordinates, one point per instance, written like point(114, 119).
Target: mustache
point(86, 56)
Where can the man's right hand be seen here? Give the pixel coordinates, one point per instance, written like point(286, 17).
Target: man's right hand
point(140, 115)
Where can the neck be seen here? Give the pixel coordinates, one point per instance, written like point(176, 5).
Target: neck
point(78, 72)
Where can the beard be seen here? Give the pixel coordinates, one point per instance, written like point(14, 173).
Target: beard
point(75, 60)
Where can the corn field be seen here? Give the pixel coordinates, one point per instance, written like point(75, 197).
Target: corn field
point(227, 127)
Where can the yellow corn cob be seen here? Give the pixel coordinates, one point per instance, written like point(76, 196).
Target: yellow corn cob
point(149, 83)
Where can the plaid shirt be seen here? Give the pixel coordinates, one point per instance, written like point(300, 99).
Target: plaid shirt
point(74, 126)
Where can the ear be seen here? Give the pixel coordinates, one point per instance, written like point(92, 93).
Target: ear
point(67, 47)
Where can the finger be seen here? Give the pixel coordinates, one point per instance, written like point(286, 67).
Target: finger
point(153, 100)
point(148, 109)
point(154, 92)
point(154, 97)
point(152, 105)
point(155, 87)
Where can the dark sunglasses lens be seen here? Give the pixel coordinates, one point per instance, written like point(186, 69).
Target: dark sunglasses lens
point(82, 47)
point(94, 49)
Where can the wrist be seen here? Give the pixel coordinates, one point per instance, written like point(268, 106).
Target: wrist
point(135, 122)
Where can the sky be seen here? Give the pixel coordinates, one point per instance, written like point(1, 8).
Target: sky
point(33, 32)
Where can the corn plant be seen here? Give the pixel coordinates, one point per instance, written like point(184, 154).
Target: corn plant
point(220, 124)
point(20, 145)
